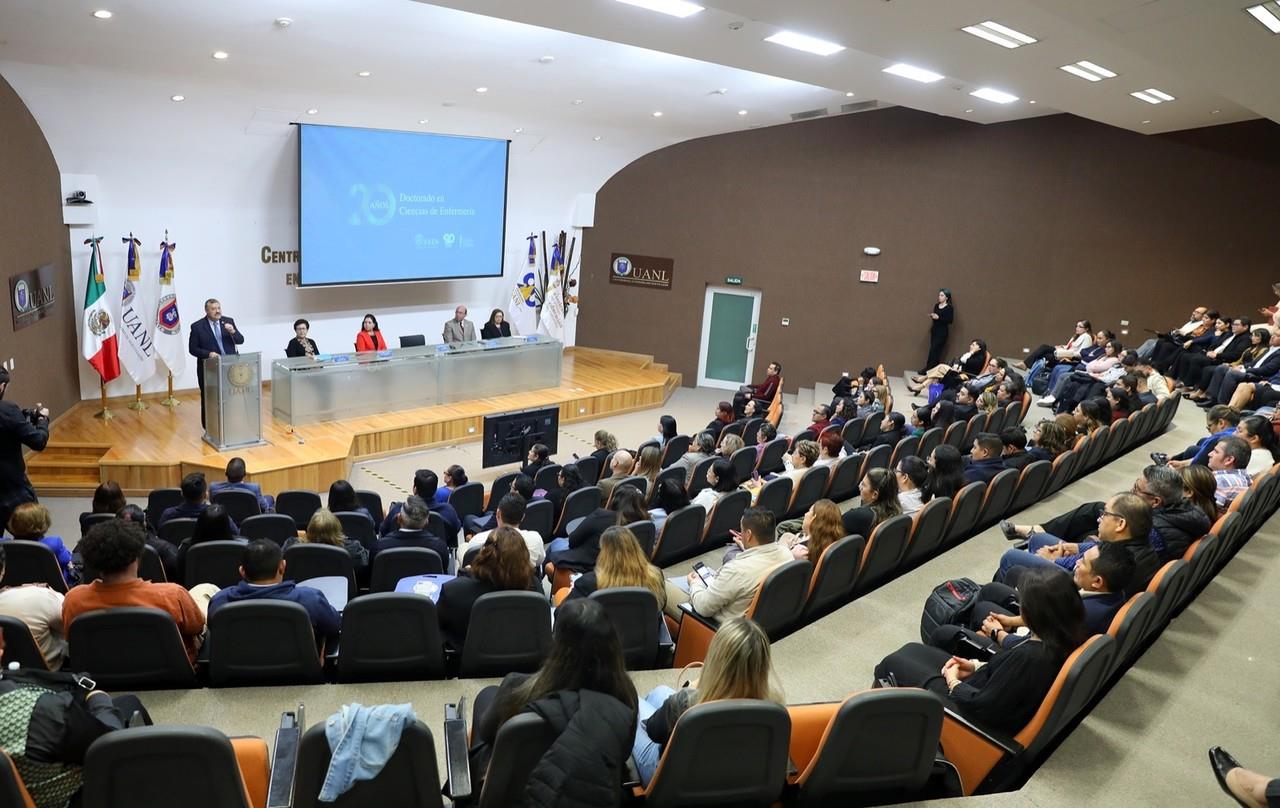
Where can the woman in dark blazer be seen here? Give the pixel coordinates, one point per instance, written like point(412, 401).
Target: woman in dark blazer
point(580, 550)
point(942, 316)
point(501, 565)
point(496, 327)
point(300, 345)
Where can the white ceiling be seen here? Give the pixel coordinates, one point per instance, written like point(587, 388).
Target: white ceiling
point(624, 63)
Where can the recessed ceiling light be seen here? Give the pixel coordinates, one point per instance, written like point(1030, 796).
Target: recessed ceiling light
point(518, 129)
point(742, 112)
point(720, 91)
point(220, 55)
point(1152, 96)
point(1001, 35)
point(808, 44)
point(996, 96)
point(968, 110)
point(177, 98)
point(103, 14)
point(448, 103)
point(596, 138)
point(1031, 102)
point(283, 22)
point(914, 73)
point(1266, 13)
point(1089, 71)
point(676, 8)
point(1214, 111)
point(577, 102)
point(482, 90)
point(546, 60)
point(657, 113)
point(848, 95)
point(312, 111)
point(364, 74)
point(1146, 121)
point(422, 121)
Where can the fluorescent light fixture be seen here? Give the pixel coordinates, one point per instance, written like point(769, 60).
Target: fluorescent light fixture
point(676, 8)
point(364, 74)
point(1163, 96)
point(1001, 35)
point(998, 96)
point(1089, 71)
point(1268, 14)
point(1141, 96)
point(808, 44)
point(914, 73)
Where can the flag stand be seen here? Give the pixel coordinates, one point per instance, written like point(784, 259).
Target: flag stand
point(138, 403)
point(106, 414)
point(169, 400)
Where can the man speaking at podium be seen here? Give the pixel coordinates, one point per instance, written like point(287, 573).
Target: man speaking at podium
point(215, 335)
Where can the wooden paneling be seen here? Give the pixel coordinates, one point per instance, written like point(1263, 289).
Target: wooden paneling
point(156, 447)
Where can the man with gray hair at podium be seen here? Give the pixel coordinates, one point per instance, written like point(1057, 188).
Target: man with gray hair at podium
point(212, 336)
point(459, 329)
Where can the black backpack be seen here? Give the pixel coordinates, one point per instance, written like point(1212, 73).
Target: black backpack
point(948, 604)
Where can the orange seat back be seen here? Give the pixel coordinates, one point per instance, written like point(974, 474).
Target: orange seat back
point(254, 760)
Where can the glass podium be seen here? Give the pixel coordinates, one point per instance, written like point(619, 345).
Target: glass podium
point(306, 390)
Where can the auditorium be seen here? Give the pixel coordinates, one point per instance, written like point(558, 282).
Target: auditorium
point(639, 403)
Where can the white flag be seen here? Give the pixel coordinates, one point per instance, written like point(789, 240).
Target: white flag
point(551, 322)
point(137, 349)
point(168, 334)
point(522, 310)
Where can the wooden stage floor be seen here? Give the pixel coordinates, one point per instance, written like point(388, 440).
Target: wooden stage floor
point(154, 448)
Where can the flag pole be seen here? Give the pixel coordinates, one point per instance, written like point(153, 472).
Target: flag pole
point(138, 403)
point(169, 400)
point(106, 413)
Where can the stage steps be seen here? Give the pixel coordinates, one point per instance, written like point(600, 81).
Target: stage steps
point(66, 469)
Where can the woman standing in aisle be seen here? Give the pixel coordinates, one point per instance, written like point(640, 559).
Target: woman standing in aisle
point(942, 315)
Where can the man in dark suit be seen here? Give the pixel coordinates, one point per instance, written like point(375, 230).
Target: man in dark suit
point(412, 532)
point(236, 472)
point(985, 459)
point(1226, 379)
point(16, 431)
point(213, 336)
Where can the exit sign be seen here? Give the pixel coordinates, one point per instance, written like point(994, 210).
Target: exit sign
point(733, 280)
point(869, 276)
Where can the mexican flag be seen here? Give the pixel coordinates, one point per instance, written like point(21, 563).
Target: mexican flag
point(98, 340)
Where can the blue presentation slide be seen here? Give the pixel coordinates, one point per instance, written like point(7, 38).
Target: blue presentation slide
point(378, 206)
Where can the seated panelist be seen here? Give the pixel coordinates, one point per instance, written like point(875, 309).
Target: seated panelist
point(301, 345)
point(370, 337)
point(496, 327)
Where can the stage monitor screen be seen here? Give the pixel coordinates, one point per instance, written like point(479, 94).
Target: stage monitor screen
point(389, 207)
point(508, 436)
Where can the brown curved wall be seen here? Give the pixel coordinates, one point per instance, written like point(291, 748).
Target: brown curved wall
point(1032, 223)
point(32, 235)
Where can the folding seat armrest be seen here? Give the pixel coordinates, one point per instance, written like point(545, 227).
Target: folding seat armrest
point(1008, 745)
point(456, 759)
point(284, 758)
point(696, 632)
point(686, 609)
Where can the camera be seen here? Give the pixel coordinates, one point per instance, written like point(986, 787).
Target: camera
point(1160, 458)
point(32, 414)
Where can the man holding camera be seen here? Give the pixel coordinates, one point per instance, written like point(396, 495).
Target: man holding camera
point(18, 428)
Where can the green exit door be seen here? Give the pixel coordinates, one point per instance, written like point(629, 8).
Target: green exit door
point(730, 320)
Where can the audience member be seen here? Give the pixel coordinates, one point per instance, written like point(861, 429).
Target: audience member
point(325, 528)
point(1258, 347)
point(236, 472)
point(866, 405)
point(511, 510)
point(1006, 692)
point(620, 468)
point(649, 463)
point(912, 476)
point(30, 522)
point(167, 550)
point(721, 480)
point(732, 588)
point(603, 445)
point(539, 456)
point(213, 524)
point(1067, 352)
point(947, 471)
point(803, 456)
point(724, 417)
point(821, 527)
point(878, 493)
point(1013, 441)
point(41, 609)
point(1220, 422)
point(843, 410)
point(1258, 433)
point(1198, 487)
point(728, 445)
point(107, 498)
point(768, 434)
point(1248, 788)
point(568, 480)
point(113, 549)
point(985, 460)
point(830, 446)
point(1153, 379)
point(262, 570)
point(671, 497)
point(738, 666)
point(666, 431)
point(968, 364)
point(412, 519)
point(195, 498)
point(521, 484)
point(621, 562)
point(425, 484)
point(891, 430)
point(1229, 462)
point(1193, 326)
point(965, 405)
point(761, 393)
point(455, 477)
point(1225, 381)
point(579, 551)
point(821, 419)
point(344, 499)
point(704, 446)
point(583, 692)
point(501, 565)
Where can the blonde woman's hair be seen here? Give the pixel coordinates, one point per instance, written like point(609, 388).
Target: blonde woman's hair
point(809, 450)
point(622, 562)
point(738, 665)
point(607, 440)
point(882, 395)
point(30, 519)
point(825, 529)
point(324, 528)
point(730, 444)
point(650, 462)
point(987, 402)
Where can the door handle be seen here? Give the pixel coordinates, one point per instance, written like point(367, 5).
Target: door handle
point(751, 343)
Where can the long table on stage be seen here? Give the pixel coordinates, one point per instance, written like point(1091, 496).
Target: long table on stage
point(154, 448)
point(308, 390)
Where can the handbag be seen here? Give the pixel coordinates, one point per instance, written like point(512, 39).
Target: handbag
point(948, 604)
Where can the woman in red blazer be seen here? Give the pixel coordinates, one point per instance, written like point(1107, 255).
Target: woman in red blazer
point(370, 338)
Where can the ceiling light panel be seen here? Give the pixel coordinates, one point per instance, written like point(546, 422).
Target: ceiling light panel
point(1268, 14)
point(676, 8)
point(1089, 71)
point(914, 73)
point(808, 44)
point(1142, 96)
point(993, 95)
point(998, 34)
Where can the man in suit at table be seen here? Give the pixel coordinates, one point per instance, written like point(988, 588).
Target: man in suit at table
point(213, 336)
point(459, 329)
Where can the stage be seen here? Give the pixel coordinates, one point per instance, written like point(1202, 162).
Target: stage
point(154, 448)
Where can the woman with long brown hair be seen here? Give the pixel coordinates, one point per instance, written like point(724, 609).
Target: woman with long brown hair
point(821, 528)
point(501, 565)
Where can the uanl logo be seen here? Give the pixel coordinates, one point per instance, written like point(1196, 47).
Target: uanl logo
point(641, 270)
point(21, 296)
point(167, 319)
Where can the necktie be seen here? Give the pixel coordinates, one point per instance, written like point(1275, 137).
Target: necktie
point(216, 325)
